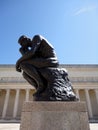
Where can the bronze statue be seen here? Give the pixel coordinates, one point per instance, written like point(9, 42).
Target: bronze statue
point(40, 67)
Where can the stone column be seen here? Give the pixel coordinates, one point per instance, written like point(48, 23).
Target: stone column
point(6, 103)
point(77, 93)
point(16, 103)
point(96, 92)
point(27, 94)
point(88, 104)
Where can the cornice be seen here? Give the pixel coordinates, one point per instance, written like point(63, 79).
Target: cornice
point(72, 79)
point(63, 65)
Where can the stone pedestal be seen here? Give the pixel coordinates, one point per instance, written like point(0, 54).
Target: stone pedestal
point(54, 116)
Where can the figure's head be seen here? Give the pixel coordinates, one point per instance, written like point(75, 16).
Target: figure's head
point(24, 41)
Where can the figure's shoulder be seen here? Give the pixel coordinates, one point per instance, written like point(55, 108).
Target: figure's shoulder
point(38, 37)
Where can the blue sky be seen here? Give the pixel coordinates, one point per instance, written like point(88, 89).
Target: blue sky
point(71, 26)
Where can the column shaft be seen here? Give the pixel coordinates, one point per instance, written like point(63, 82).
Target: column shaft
point(89, 104)
point(96, 92)
point(77, 93)
point(16, 103)
point(6, 103)
point(27, 94)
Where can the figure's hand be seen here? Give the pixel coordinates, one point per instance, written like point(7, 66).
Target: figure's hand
point(18, 67)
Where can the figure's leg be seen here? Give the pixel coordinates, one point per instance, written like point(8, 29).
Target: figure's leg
point(32, 72)
point(43, 62)
point(30, 80)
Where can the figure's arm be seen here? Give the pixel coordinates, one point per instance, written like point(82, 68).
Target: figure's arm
point(23, 50)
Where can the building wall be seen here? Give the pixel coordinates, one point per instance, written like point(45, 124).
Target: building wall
point(14, 90)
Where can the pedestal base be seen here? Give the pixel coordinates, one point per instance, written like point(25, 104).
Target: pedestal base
point(54, 116)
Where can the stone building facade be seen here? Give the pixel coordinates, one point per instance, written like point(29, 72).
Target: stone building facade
point(14, 90)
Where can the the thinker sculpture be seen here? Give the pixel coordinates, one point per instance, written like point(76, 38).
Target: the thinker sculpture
point(40, 67)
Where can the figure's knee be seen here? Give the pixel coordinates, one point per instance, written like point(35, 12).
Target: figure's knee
point(23, 65)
